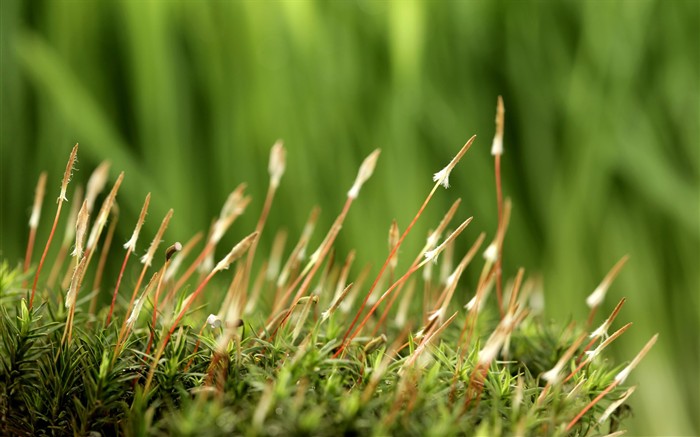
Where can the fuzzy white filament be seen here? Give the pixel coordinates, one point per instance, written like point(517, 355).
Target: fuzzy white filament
point(365, 172)
point(443, 176)
point(431, 255)
point(277, 163)
point(602, 330)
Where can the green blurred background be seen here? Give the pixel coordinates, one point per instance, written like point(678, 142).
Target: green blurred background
point(602, 115)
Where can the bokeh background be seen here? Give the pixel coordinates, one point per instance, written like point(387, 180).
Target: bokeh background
point(602, 137)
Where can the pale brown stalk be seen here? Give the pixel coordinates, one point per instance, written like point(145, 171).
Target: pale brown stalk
point(440, 178)
point(34, 221)
point(147, 259)
point(596, 298)
point(235, 253)
point(130, 246)
point(429, 257)
point(172, 250)
point(619, 379)
point(97, 282)
point(61, 198)
point(68, 236)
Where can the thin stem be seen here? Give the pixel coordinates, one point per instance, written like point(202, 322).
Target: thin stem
point(101, 265)
point(591, 405)
point(499, 201)
point(116, 287)
point(46, 251)
point(387, 261)
point(164, 343)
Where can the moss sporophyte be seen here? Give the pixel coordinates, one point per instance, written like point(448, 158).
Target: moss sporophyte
point(302, 344)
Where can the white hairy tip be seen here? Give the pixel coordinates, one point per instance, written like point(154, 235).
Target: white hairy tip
point(443, 177)
point(365, 172)
point(491, 253)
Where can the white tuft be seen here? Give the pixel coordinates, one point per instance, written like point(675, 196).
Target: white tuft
point(277, 163)
point(443, 177)
point(497, 146)
point(365, 172)
point(471, 303)
point(596, 298)
point(491, 253)
point(135, 312)
point(431, 255)
point(601, 331)
point(554, 375)
point(490, 351)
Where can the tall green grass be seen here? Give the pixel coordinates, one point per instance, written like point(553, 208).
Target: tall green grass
point(602, 135)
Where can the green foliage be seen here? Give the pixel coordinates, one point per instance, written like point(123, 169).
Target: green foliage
point(601, 134)
point(65, 370)
point(276, 388)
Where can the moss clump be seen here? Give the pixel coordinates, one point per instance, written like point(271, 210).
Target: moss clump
point(294, 347)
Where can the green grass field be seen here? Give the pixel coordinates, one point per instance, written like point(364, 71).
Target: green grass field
point(602, 137)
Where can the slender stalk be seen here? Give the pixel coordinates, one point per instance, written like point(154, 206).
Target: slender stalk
point(168, 257)
point(61, 198)
point(96, 284)
point(429, 258)
point(237, 251)
point(147, 259)
point(130, 246)
point(441, 178)
point(68, 236)
point(34, 221)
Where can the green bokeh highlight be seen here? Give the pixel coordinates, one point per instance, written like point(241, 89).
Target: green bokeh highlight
point(602, 135)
